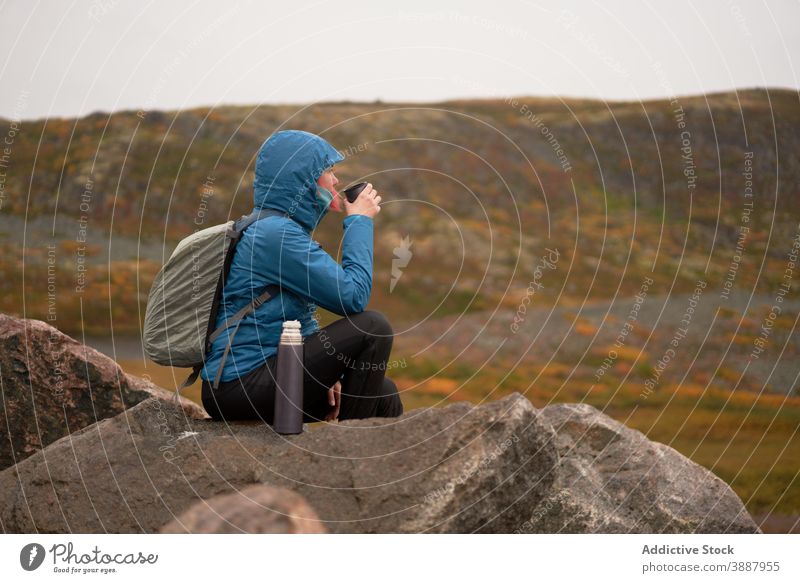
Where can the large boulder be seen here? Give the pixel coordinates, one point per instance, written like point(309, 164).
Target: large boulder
point(53, 385)
point(499, 467)
point(612, 479)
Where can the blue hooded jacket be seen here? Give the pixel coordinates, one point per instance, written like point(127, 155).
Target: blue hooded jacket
point(280, 250)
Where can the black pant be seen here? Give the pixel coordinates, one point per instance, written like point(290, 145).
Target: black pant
point(354, 349)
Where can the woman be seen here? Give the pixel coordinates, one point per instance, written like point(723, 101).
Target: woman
point(344, 362)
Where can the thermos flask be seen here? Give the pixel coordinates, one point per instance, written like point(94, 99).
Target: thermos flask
point(289, 382)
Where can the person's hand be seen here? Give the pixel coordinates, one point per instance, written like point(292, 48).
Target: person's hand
point(366, 203)
point(334, 400)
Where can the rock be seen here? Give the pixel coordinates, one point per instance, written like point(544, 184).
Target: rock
point(53, 385)
point(499, 467)
point(255, 509)
point(142, 385)
point(613, 479)
point(456, 469)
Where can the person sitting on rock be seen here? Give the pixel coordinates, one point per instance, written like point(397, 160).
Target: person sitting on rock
point(345, 362)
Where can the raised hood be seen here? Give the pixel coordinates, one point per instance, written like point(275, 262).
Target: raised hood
point(288, 166)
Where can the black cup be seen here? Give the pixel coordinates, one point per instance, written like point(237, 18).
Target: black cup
point(352, 192)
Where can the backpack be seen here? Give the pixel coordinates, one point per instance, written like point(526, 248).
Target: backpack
point(182, 306)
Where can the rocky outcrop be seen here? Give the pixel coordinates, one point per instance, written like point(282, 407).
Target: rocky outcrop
point(256, 509)
point(53, 386)
point(500, 467)
point(613, 479)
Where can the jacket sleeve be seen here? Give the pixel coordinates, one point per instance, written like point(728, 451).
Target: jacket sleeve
point(302, 266)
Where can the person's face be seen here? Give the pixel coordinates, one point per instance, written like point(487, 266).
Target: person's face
point(328, 180)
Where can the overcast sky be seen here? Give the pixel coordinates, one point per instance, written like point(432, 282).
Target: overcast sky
point(71, 58)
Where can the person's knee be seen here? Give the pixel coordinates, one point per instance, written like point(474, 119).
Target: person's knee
point(377, 324)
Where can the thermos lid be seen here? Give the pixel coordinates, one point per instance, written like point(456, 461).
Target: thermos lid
point(291, 332)
point(352, 192)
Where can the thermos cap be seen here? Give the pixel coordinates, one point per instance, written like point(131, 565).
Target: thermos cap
point(352, 192)
point(291, 332)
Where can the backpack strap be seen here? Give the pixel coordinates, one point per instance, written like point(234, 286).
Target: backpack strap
point(237, 319)
point(271, 290)
point(234, 234)
point(189, 381)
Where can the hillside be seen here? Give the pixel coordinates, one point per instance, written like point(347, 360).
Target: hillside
point(623, 191)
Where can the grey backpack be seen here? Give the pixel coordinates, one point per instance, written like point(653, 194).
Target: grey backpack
point(181, 314)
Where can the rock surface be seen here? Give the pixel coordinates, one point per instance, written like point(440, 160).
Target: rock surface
point(500, 467)
point(256, 509)
point(53, 385)
point(612, 479)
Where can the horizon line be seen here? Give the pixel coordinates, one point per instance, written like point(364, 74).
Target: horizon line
point(379, 101)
